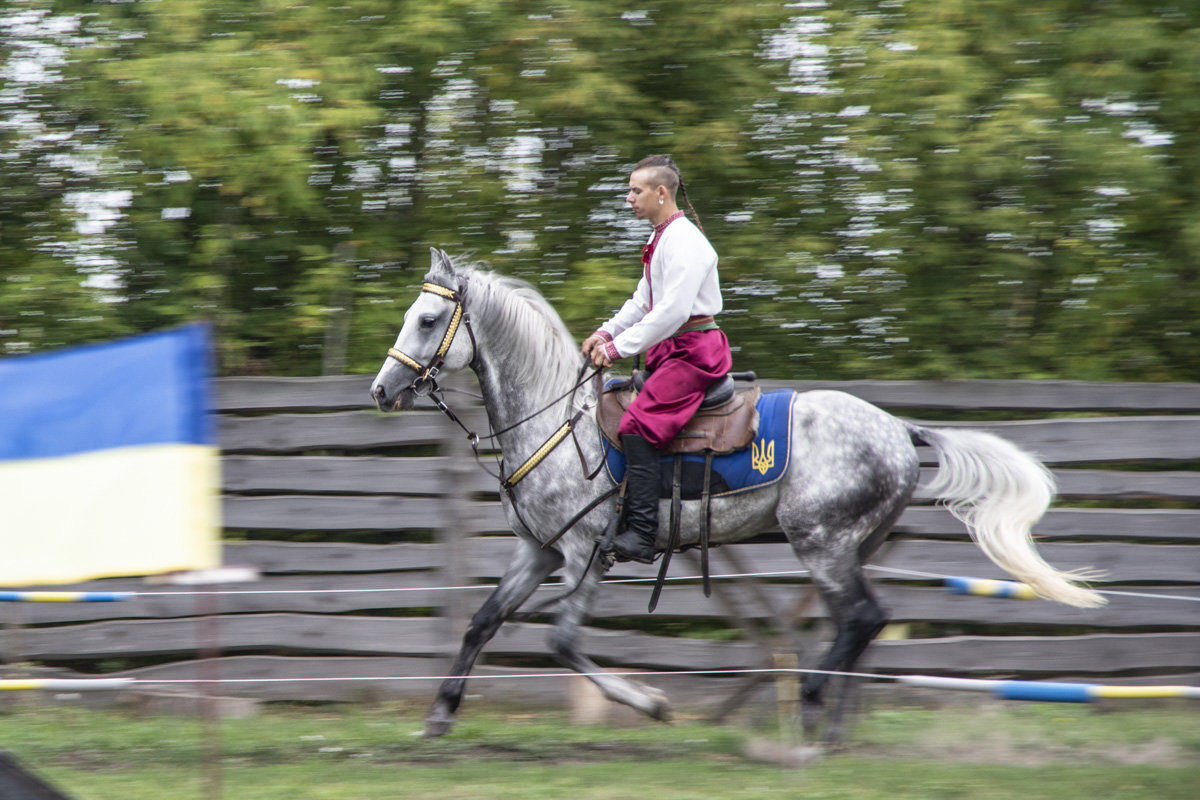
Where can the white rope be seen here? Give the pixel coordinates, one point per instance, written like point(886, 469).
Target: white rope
point(520, 676)
point(912, 573)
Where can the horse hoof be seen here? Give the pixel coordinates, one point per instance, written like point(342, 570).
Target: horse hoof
point(436, 726)
point(660, 707)
point(812, 713)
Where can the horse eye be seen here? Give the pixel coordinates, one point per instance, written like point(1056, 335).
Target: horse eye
point(427, 321)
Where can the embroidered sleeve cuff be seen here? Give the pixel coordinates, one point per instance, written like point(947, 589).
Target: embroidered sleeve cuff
point(610, 350)
point(603, 334)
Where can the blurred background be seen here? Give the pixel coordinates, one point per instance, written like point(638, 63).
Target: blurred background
point(897, 188)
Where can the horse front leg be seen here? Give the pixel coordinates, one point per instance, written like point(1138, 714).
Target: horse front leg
point(529, 568)
point(564, 640)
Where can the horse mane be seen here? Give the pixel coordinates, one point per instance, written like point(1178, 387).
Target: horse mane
point(520, 322)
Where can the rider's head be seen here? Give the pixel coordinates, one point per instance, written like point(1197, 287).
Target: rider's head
point(653, 184)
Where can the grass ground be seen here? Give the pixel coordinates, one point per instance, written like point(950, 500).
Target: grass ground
point(977, 751)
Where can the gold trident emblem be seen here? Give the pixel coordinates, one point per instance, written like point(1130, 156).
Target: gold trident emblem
point(762, 459)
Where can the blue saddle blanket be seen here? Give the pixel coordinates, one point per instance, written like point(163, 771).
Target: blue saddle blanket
point(761, 464)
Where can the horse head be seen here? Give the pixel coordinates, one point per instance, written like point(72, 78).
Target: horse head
point(429, 342)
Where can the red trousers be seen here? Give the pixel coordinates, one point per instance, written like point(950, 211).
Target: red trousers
point(682, 368)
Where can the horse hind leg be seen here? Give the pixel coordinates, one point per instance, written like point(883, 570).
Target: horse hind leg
point(857, 617)
point(530, 567)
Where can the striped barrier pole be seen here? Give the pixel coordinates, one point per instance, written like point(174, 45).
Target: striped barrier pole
point(986, 587)
point(64, 597)
point(66, 684)
point(1051, 691)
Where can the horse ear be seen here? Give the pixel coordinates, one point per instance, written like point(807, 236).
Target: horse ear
point(446, 262)
point(441, 261)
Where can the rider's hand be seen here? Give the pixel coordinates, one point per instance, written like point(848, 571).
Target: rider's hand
point(593, 351)
point(591, 344)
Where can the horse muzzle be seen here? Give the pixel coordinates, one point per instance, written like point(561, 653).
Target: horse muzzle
point(404, 400)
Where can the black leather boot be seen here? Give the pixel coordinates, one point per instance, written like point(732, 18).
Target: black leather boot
point(636, 542)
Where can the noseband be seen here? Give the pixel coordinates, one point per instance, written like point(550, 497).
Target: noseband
point(424, 383)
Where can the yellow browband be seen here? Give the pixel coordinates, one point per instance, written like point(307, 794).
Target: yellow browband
point(410, 362)
point(435, 288)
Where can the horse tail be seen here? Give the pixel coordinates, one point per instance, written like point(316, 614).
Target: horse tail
point(1000, 492)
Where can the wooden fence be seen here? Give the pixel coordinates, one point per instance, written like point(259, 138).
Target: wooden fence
point(335, 503)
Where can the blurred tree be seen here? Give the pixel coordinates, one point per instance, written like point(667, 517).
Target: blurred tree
point(46, 171)
point(939, 188)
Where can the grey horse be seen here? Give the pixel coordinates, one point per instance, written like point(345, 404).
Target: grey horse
point(836, 504)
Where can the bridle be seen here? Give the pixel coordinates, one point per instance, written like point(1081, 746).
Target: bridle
point(425, 383)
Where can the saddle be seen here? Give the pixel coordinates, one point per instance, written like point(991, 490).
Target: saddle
point(727, 420)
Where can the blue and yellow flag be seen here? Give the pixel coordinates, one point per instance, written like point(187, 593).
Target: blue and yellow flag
point(108, 462)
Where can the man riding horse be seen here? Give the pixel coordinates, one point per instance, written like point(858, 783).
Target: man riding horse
point(670, 318)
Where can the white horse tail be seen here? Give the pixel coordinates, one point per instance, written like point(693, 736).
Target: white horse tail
point(1000, 492)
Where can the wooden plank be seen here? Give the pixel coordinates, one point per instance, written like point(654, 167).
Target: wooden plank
point(350, 391)
point(343, 430)
point(341, 594)
point(325, 393)
point(1119, 562)
point(353, 513)
point(1111, 484)
point(1069, 524)
point(1047, 396)
point(1095, 439)
point(336, 557)
point(344, 475)
point(329, 393)
point(1094, 654)
point(1100, 484)
point(488, 556)
point(349, 635)
point(401, 513)
point(1056, 441)
point(299, 634)
point(289, 474)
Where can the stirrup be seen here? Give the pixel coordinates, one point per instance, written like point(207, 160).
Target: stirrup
point(640, 554)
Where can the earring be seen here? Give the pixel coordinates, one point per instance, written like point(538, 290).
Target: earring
point(661, 201)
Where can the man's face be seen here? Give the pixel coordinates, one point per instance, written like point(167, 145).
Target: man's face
point(642, 197)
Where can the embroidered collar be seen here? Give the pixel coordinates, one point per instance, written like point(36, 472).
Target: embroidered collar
point(662, 226)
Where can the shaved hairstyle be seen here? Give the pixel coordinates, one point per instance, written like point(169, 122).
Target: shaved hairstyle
point(664, 172)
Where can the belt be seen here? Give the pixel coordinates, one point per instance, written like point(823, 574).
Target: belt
point(698, 323)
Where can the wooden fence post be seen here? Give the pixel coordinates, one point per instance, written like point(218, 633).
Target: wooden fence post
point(453, 534)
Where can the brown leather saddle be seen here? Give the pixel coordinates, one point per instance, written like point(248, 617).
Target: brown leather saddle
point(727, 420)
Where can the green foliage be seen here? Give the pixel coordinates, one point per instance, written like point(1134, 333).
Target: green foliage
point(939, 188)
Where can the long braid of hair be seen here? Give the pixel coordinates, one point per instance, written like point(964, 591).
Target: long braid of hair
point(683, 191)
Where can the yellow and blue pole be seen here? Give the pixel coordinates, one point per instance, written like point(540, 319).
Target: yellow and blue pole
point(985, 587)
point(1051, 691)
point(65, 684)
point(63, 597)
